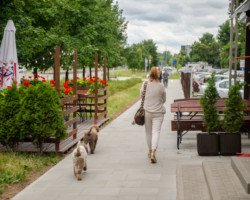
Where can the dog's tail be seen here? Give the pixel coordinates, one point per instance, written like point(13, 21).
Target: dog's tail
point(78, 153)
point(89, 131)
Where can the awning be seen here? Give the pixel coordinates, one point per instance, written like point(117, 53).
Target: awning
point(245, 6)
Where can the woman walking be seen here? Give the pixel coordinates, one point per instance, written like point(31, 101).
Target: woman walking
point(154, 111)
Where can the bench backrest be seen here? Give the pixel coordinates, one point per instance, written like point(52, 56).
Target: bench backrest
point(193, 105)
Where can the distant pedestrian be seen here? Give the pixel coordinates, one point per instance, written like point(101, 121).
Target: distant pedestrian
point(165, 78)
point(160, 77)
point(154, 111)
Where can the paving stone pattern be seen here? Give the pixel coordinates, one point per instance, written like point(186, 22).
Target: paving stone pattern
point(120, 168)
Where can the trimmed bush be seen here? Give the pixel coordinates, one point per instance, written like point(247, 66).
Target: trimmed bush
point(40, 114)
point(234, 115)
point(9, 108)
point(208, 103)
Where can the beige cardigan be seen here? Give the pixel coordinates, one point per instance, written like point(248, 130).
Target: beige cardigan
point(155, 97)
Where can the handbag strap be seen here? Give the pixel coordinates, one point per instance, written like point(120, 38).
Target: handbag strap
point(144, 93)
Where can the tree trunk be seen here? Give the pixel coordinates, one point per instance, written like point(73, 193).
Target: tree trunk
point(35, 72)
point(90, 72)
point(67, 74)
point(83, 72)
point(108, 73)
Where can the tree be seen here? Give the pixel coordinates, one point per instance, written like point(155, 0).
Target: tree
point(224, 34)
point(165, 57)
point(207, 49)
point(90, 26)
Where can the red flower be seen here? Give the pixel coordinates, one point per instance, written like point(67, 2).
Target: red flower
point(97, 77)
point(66, 92)
point(72, 81)
point(34, 74)
point(29, 85)
point(93, 76)
point(23, 76)
point(65, 85)
point(19, 83)
point(39, 76)
point(9, 87)
point(34, 79)
point(43, 80)
point(43, 77)
point(77, 77)
point(1, 83)
point(29, 76)
point(52, 82)
point(107, 85)
point(84, 78)
point(73, 89)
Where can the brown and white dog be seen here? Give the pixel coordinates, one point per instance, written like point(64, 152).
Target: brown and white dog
point(79, 160)
point(90, 137)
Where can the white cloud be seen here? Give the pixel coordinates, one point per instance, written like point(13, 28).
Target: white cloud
point(172, 23)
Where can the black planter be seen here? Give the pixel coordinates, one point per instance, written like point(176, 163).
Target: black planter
point(207, 145)
point(230, 143)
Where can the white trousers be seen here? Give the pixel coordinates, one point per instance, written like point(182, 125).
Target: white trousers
point(153, 122)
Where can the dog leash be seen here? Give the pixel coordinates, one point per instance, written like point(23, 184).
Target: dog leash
point(243, 154)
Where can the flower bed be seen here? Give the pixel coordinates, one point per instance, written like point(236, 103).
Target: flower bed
point(87, 83)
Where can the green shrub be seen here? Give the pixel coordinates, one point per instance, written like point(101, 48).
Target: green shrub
point(208, 103)
point(40, 115)
point(234, 115)
point(9, 108)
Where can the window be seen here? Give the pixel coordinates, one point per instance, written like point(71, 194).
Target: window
point(222, 85)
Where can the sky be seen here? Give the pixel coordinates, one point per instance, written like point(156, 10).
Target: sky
point(172, 23)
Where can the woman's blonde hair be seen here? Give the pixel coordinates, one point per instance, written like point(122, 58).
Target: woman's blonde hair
point(154, 74)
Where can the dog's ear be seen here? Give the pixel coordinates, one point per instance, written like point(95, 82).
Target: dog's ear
point(86, 132)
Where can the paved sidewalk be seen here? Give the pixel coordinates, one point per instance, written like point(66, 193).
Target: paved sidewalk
point(120, 168)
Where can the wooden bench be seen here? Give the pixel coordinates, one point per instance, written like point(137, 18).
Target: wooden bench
point(189, 116)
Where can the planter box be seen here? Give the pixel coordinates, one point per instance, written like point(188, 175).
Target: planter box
point(207, 145)
point(230, 143)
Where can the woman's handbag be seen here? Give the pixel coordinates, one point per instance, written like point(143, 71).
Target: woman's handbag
point(139, 118)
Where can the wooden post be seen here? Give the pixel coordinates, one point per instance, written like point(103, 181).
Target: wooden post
point(96, 92)
point(104, 78)
point(233, 43)
point(75, 87)
point(57, 68)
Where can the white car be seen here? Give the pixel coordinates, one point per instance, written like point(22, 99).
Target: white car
point(223, 87)
point(206, 78)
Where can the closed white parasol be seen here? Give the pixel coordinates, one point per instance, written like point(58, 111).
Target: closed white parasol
point(8, 57)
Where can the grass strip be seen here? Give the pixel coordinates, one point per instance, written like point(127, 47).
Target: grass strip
point(15, 167)
point(119, 100)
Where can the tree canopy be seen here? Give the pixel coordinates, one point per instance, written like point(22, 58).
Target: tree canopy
point(90, 26)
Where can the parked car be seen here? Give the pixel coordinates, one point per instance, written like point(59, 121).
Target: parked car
point(198, 79)
point(223, 88)
point(22, 69)
point(203, 85)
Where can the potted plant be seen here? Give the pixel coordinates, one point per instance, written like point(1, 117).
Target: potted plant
point(230, 142)
point(208, 144)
